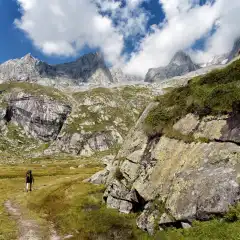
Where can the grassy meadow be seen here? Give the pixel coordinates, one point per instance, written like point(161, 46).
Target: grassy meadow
point(61, 198)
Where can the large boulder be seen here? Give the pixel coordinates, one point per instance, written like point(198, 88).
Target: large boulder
point(196, 180)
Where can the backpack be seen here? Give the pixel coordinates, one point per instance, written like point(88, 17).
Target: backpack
point(29, 176)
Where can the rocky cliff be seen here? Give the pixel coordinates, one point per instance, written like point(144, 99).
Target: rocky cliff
point(181, 161)
point(90, 68)
point(180, 64)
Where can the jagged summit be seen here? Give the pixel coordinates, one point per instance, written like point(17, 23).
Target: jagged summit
point(28, 56)
point(180, 64)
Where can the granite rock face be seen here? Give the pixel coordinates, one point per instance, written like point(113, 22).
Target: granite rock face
point(189, 181)
point(90, 68)
point(40, 117)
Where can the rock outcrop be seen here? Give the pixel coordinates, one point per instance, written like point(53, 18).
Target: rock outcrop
point(90, 68)
point(173, 182)
point(40, 117)
point(85, 143)
point(180, 64)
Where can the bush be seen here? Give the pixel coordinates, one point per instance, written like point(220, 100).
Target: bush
point(233, 214)
point(118, 174)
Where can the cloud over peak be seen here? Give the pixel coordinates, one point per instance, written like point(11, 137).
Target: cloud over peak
point(65, 27)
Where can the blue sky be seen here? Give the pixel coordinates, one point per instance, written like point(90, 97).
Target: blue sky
point(14, 43)
point(132, 34)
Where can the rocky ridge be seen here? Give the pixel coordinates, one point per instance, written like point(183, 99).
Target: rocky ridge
point(89, 68)
point(181, 66)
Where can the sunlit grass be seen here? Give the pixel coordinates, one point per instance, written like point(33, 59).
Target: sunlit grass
point(60, 196)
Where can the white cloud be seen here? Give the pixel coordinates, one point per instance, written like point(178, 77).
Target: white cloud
point(186, 22)
point(227, 31)
point(65, 27)
point(60, 27)
point(130, 18)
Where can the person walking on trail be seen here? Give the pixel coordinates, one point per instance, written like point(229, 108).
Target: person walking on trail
point(29, 180)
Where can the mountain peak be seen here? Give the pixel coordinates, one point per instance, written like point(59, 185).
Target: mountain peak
point(89, 68)
point(95, 55)
point(180, 64)
point(28, 58)
point(180, 58)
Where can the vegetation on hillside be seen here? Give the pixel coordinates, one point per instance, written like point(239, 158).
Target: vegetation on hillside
point(34, 89)
point(101, 108)
point(215, 93)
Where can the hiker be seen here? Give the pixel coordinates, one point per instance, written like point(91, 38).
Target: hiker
point(29, 180)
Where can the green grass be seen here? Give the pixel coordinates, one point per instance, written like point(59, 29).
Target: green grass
point(8, 228)
point(123, 103)
point(215, 93)
point(76, 207)
point(211, 230)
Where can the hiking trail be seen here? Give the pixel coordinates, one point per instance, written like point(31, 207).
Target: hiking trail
point(29, 229)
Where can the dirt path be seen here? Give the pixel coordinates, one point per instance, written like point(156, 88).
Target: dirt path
point(29, 229)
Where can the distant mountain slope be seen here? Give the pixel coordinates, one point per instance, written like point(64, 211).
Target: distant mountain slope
point(90, 68)
point(119, 76)
point(180, 64)
point(34, 118)
point(216, 60)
